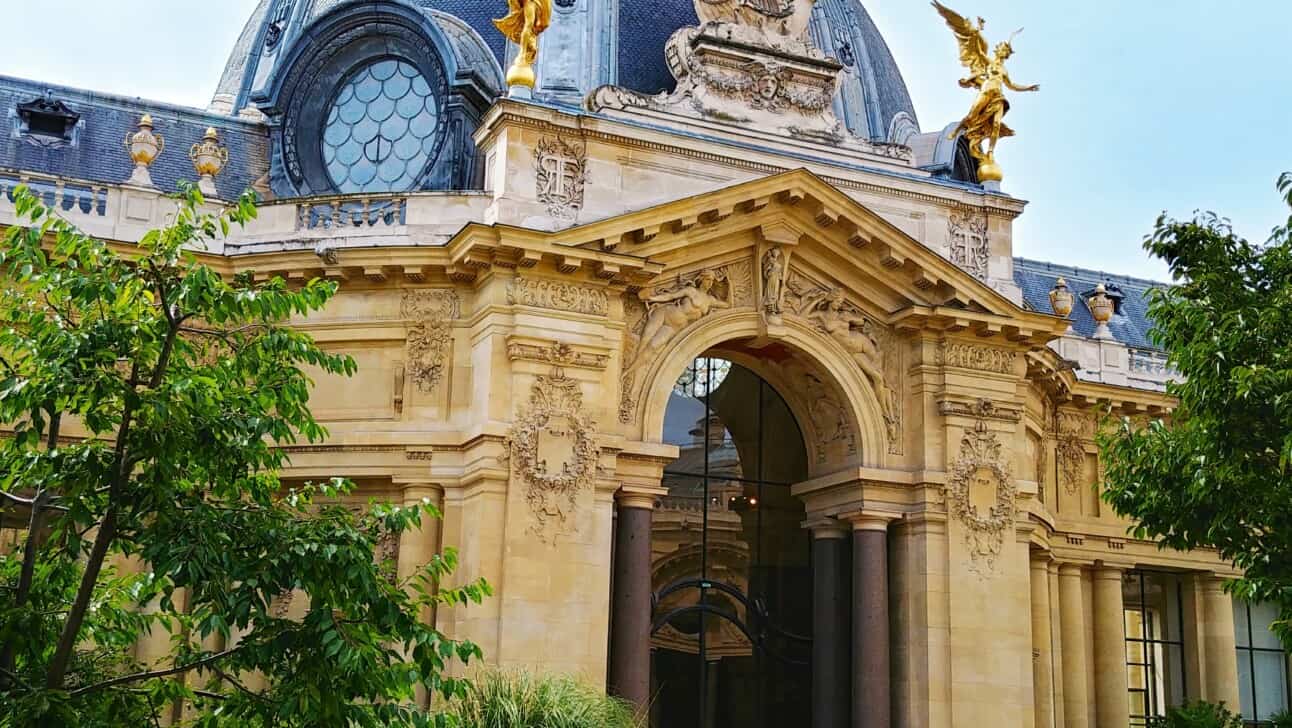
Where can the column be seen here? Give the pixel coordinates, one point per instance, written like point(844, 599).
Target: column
point(416, 548)
point(1042, 657)
point(418, 545)
point(871, 660)
point(830, 685)
point(1112, 702)
point(1219, 653)
point(631, 606)
point(1072, 621)
point(1056, 642)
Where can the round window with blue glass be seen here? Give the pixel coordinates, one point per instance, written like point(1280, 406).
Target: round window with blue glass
point(381, 130)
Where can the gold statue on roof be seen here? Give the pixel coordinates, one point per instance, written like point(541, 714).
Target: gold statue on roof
point(525, 21)
point(984, 125)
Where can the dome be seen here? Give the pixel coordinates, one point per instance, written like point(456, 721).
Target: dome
point(604, 42)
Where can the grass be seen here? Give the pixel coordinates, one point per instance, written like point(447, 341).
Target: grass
point(524, 700)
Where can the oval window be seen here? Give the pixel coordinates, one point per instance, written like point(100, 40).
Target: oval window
point(381, 129)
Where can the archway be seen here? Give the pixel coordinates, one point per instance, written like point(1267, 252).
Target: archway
point(731, 565)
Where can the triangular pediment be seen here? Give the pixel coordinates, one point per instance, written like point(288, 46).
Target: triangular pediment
point(902, 281)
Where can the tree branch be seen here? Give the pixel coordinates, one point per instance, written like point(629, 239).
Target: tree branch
point(152, 674)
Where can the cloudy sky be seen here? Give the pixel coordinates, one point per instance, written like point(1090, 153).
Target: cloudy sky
point(1145, 106)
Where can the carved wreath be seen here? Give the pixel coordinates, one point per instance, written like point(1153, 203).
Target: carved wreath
point(980, 457)
point(555, 409)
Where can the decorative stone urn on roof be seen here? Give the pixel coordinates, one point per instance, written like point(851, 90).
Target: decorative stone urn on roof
point(209, 160)
point(1101, 310)
point(1061, 300)
point(144, 147)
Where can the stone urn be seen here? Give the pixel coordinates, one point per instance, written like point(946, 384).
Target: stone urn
point(144, 147)
point(209, 160)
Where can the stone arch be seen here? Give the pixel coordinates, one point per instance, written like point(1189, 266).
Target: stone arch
point(737, 335)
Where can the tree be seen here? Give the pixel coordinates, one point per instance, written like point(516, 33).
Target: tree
point(147, 398)
point(1217, 475)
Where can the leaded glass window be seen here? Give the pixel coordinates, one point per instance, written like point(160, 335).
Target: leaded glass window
point(381, 129)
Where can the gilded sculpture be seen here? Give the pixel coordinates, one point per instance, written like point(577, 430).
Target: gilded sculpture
point(984, 125)
point(525, 22)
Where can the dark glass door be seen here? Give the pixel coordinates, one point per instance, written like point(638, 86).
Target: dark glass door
point(731, 563)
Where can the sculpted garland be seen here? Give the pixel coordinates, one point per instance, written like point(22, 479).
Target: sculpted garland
point(430, 314)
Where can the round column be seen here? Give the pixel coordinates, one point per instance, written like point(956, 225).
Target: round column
point(1042, 655)
point(1112, 701)
point(418, 545)
point(1072, 619)
point(830, 688)
point(631, 616)
point(416, 548)
point(872, 705)
point(1219, 653)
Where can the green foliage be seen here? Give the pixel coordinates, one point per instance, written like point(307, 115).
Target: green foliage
point(147, 398)
point(1281, 719)
point(1197, 715)
point(1218, 474)
point(523, 700)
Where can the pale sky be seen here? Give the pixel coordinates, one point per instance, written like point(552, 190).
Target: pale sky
point(1145, 105)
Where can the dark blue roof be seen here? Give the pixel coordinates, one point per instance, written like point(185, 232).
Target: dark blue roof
point(1130, 326)
point(99, 154)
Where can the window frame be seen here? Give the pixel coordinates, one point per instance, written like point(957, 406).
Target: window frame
point(1152, 646)
point(1251, 649)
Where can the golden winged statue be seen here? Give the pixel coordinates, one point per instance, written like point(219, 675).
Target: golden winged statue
point(984, 125)
point(525, 21)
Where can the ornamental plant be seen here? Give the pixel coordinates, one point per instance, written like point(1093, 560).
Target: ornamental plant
point(1219, 474)
point(525, 700)
point(145, 398)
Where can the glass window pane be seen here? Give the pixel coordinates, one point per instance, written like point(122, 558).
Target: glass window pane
point(1242, 637)
point(1271, 683)
point(1245, 684)
point(382, 129)
point(1264, 615)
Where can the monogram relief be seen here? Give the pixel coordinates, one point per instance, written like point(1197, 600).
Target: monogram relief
point(561, 171)
point(430, 315)
point(552, 448)
point(967, 233)
point(981, 492)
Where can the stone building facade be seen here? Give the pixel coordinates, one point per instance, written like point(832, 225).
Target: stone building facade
point(723, 372)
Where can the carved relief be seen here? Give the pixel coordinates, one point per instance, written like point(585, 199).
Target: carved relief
point(773, 283)
point(967, 233)
point(870, 345)
point(982, 358)
point(561, 171)
point(1071, 429)
point(829, 418)
point(558, 353)
point(981, 492)
point(430, 314)
point(672, 308)
point(552, 448)
point(558, 296)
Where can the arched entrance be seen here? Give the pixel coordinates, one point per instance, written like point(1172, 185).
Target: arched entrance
point(731, 565)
